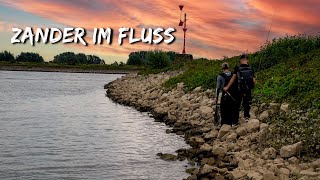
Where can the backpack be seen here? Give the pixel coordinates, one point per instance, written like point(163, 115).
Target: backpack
point(245, 78)
point(226, 78)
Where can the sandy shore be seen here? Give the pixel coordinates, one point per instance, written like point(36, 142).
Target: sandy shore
point(217, 152)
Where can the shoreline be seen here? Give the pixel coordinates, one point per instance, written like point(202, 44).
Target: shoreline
point(66, 70)
point(216, 152)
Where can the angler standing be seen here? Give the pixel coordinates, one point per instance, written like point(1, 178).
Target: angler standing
point(243, 76)
point(229, 106)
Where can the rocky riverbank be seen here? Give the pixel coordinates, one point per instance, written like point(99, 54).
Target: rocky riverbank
point(217, 152)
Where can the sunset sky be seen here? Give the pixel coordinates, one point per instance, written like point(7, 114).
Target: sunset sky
point(216, 28)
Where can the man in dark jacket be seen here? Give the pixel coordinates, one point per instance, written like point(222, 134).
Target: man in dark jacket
point(228, 106)
point(243, 75)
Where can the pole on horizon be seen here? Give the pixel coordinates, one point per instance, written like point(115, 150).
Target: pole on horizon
point(184, 33)
point(184, 24)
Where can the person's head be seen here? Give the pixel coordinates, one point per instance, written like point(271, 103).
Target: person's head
point(225, 66)
point(244, 59)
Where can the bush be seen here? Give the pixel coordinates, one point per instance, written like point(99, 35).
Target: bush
point(6, 56)
point(29, 57)
point(157, 59)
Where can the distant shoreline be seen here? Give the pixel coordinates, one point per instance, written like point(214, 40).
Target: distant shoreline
point(66, 69)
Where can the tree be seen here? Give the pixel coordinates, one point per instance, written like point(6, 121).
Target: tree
point(115, 64)
point(6, 56)
point(82, 58)
point(134, 59)
point(157, 59)
point(92, 59)
point(29, 57)
point(66, 58)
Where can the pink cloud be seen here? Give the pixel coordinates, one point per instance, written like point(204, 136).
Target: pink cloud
point(215, 28)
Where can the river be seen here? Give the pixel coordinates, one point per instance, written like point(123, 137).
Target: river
point(61, 126)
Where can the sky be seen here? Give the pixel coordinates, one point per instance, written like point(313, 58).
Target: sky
point(216, 28)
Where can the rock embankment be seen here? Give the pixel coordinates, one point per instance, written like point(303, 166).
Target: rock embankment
point(220, 152)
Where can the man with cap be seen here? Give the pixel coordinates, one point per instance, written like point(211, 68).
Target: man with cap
point(243, 76)
point(228, 106)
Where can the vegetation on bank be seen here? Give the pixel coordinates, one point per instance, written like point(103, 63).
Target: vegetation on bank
point(92, 67)
point(64, 60)
point(156, 59)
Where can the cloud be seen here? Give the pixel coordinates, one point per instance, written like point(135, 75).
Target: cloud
point(215, 28)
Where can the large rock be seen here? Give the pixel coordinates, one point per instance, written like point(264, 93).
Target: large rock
point(206, 169)
point(264, 116)
point(309, 172)
point(269, 153)
point(167, 157)
point(232, 137)
point(290, 150)
point(211, 134)
point(241, 131)
point(238, 174)
point(224, 130)
point(284, 107)
point(293, 160)
point(206, 147)
point(196, 141)
point(284, 171)
point(254, 175)
point(253, 125)
point(219, 151)
point(197, 89)
point(205, 110)
point(316, 164)
point(268, 176)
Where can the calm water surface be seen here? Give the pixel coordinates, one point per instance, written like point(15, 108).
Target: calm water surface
point(61, 126)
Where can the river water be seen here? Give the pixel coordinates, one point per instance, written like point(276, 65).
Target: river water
point(61, 126)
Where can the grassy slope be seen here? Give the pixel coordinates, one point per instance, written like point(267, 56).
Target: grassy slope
point(287, 71)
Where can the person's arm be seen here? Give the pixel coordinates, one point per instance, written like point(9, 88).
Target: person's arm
point(234, 76)
point(254, 81)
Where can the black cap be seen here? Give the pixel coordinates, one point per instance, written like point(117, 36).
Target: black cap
point(225, 65)
point(244, 56)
